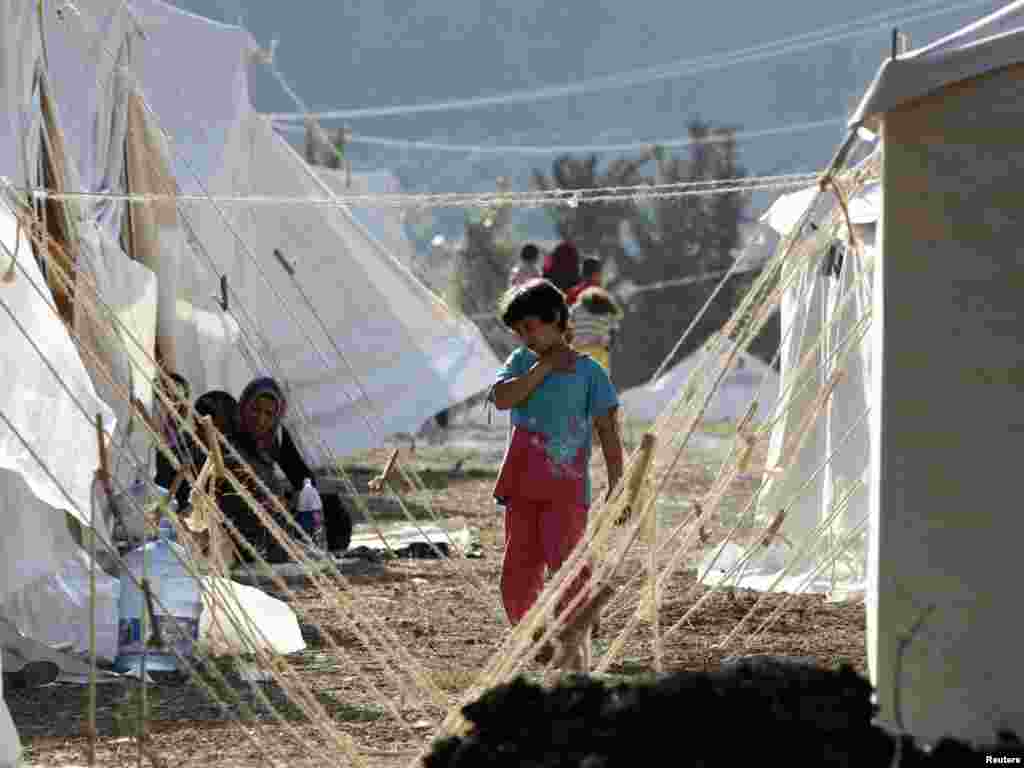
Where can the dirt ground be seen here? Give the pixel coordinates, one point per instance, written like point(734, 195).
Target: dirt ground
point(447, 616)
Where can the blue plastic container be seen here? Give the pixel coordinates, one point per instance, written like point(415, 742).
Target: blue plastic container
point(173, 588)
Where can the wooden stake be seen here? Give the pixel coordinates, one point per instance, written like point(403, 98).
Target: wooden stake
point(377, 484)
point(568, 642)
point(635, 481)
point(652, 589)
point(214, 447)
point(772, 532)
point(91, 728)
point(9, 274)
point(101, 443)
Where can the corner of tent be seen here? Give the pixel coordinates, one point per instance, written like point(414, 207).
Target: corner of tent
point(946, 390)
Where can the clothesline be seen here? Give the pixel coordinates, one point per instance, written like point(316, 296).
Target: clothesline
point(897, 17)
point(565, 149)
point(570, 198)
point(631, 290)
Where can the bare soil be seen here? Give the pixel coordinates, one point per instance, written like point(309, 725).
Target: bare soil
point(447, 616)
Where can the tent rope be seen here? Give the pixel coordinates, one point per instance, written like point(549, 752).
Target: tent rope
point(530, 199)
point(250, 501)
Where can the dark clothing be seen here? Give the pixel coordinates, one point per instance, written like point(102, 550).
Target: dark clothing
point(186, 451)
point(284, 454)
point(262, 453)
point(291, 462)
point(562, 266)
point(222, 408)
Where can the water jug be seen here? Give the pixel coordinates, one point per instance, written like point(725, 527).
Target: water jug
point(174, 590)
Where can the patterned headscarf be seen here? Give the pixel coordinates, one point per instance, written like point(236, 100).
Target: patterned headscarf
point(263, 387)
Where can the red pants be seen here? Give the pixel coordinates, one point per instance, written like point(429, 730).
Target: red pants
point(538, 534)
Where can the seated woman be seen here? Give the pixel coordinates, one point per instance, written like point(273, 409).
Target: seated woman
point(177, 439)
point(223, 408)
point(263, 443)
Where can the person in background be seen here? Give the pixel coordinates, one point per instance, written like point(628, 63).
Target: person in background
point(562, 266)
point(180, 442)
point(527, 268)
point(592, 275)
point(263, 442)
point(222, 407)
point(595, 319)
point(558, 401)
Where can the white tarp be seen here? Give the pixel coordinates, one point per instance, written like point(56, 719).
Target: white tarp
point(54, 610)
point(18, 58)
point(367, 349)
point(749, 378)
point(45, 392)
point(808, 480)
point(409, 355)
point(864, 207)
point(385, 223)
point(10, 744)
point(990, 43)
point(235, 616)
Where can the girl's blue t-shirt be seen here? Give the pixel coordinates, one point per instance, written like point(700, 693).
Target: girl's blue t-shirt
point(548, 455)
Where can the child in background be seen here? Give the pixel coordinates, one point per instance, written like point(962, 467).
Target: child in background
point(558, 399)
point(592, 272)
point(594, 320)
point(527, 268)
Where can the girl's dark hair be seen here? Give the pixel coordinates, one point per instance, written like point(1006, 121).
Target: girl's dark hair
point(537, 298)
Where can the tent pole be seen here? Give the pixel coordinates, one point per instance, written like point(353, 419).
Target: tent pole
point(840, 157)
point(104, 477)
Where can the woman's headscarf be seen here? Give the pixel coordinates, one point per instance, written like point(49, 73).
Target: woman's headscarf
point(562, 266)
point(222, 407)
point(263, 387)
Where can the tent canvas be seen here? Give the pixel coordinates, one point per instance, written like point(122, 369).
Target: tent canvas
point(386, 224)
point(103, 55)
point(369, 349)
point(821, 478)
point(376, 353)
point(946, 438)
point(749, 378)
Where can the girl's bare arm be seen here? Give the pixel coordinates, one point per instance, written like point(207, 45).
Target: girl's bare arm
point(608, 433)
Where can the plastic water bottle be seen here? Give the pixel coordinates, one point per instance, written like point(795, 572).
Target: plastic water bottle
point(173, 589)
point(310, 512)
point(167, 532)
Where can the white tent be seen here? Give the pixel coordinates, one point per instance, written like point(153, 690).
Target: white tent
point(44, 383)
point(749, 378)
point(363, 348)
point(811, 478)
point(946, 387)
point(386, 224)
point(374, 339)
